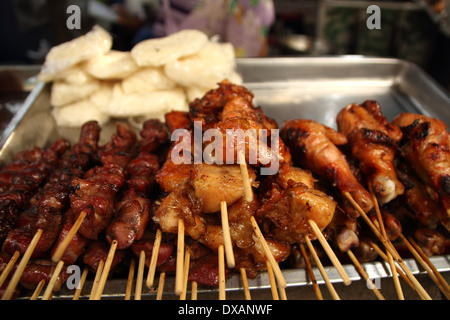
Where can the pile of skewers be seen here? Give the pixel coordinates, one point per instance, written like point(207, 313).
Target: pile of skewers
point(354, 192)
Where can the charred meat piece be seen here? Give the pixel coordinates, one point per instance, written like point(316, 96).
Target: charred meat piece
point(431, 241)
point(129, 221)
point(26, 184)
point(98, 250)
point(373, 142)
point(313, 146)
point(426, 146)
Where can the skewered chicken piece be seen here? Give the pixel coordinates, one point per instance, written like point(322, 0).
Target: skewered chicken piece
point(424, 209)
point(373, 141)
point(313, 147)
point(426, 146)
point(432, 242)
point(289, 200)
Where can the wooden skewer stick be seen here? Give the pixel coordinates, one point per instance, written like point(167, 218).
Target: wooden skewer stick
point(364, 274)
point(38, 290)
point(98, 275)
point(330, 253)
point(194, 286)
point(53, 279)
point(248, 193)
point(310, 272)
point(162, 278)
point(130, 280)
point(247, 294)
point(388, 245)
point(21, 267)
point(106, 268)
point(427, 265)
point(180, 258)
point(227, 236)
point(397, 285)
point(398, 269)
point(77, 294)
point(222, 294)
point(187, 260)
point(272, 281)
point(154, 260)
point(66, 241)
point(9, 267)
point(268, 253)
point(328, 283)
point(140, 276)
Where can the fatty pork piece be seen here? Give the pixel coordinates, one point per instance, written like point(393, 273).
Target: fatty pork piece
point(314, 147)
point(426, 146)
point(216, 183)
point(373, 142)
point(202, 193)
point(288, 206)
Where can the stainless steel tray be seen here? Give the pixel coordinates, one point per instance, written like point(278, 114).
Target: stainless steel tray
point(286, 88)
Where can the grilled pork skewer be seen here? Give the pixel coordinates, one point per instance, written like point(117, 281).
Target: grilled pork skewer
point(25, 185)
point(48, 205)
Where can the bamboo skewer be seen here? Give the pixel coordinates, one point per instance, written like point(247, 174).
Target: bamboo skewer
point(427, 265)
point(180, 258)
point(310, 272)
point(140, 276)
point(330, 253)
point(77, 294)
point(21, 267)
point(268, 253)
point(187, 259)
point(154, 260)
point(247, 294)
point(328, 283)
point(106, 268)
point(273, 285)
point(222, 294)
point(226, 235)
point(130, 280)
point(53, 279)
point(38, 290)
point(365, 276)
point(98, 274)
point(66, 241)
point(194, 290)
point(162, 278)
point(380, 226)
point(9, 267)
point(389, 247)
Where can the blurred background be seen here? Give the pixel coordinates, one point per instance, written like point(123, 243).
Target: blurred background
point(413, 30)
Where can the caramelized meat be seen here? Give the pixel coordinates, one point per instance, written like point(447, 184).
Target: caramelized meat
point(313, 147)
point(426, 146)
point(373, 141)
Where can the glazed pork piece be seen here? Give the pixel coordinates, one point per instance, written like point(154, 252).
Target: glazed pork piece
point(314, 147)
point(373, 142)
